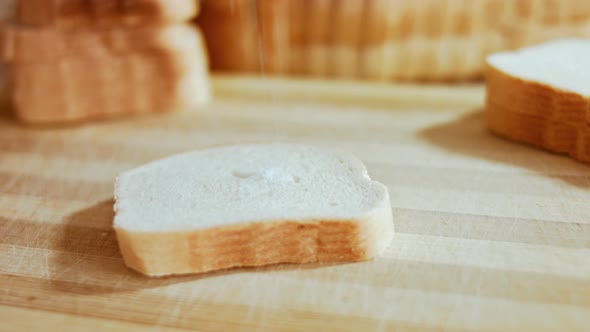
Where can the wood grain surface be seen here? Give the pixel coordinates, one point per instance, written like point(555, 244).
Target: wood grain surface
point(491, 235)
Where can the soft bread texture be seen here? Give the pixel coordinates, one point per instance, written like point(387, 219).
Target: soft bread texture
point(249, 205)
point(540, 95)
point(562, 64)
point(65, 90)
point(104, 13)
point(380, 39)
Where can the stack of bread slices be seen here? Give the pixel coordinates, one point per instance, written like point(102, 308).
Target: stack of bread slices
point(76, 60)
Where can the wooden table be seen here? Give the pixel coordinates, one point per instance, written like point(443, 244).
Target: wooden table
point(491, 235)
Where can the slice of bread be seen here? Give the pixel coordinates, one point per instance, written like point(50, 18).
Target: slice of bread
point(83, 13)
point(249, 205)
point(23, 44)
point(66, 90)
point(540, 95)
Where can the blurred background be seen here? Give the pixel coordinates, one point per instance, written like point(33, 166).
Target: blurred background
point(386, 41)
point(380, 40)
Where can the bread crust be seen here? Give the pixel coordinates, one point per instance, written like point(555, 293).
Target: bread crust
point(104, 13)
point(538, 114)
point(20, 44)
point(231, 35)
point(65, 90)
point(257, 244)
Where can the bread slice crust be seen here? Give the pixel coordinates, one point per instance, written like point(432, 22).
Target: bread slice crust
point(22, 44)
point(254, 244)
point(72, 14)
point(537, 113)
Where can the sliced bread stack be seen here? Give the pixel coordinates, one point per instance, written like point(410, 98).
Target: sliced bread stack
point(79, 60)
point(380, 39)
point(541, 96)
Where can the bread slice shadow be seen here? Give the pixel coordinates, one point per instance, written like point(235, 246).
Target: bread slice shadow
point(88, 260)
point(469, 136)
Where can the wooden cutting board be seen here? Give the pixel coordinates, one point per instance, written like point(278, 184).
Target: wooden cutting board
point(491, 235)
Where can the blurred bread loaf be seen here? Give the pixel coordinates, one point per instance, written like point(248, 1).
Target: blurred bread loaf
point(95, 86)
point(380, 39)
point(25, 44)
point(83, 13)
point(231, 31)
point(540, 96)
point(154, 62)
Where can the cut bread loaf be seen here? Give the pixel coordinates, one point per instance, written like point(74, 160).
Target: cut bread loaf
point(84, 13)
point(65, 90)
point(121, 57)
point(541, 95)
point(23, 44)
point(381, 39)
point(249, 205)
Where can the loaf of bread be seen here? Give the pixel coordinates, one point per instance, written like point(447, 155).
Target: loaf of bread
point(84, 13)
point(541, 95)
point(92, 85)
point(249, 205)
point(78, 60)
point(25, 44)
point(380, 39)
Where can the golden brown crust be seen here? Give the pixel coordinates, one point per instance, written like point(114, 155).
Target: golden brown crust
point(536, 99)
point(274, 36)
point(292, 24)
point(20, 44)
point(118, 85)
point(84, 13)
point(347, 31)
point(383, 39)
point(256, 244)
point(317, 35)
point(538, 114)
point(231, 34)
